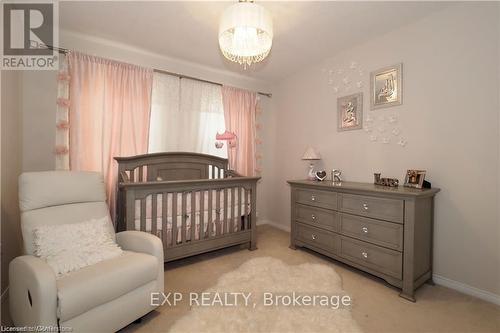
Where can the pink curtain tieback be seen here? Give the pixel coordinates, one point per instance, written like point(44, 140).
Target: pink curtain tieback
point(62, 76)
point(61, 150)
point(63, 102)
point(62, 125)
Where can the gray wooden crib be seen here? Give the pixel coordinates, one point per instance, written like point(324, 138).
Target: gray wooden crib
point(192, 201)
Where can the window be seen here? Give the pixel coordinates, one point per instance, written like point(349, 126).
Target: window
point(185, 116)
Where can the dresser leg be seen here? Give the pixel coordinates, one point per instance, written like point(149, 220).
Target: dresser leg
point(292, 246)
point(408, 296)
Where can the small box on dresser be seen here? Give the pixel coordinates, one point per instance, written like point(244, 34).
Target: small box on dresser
point(385, 231)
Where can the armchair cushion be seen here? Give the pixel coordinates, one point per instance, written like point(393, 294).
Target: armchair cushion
point(89, 287)
point(72, 246)
point(55, 188)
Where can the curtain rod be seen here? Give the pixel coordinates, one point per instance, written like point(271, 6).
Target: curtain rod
point(181, 76)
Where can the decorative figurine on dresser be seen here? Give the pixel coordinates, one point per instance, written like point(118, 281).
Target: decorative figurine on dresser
point(385, 231)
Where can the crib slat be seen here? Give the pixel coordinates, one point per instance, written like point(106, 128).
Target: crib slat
point(240, 198)
point(221, 173)
point(140, 174)
point(213, 172)
point(193, 214)
point(217, 213)
point(247, 216)
point(202, 215)
point(153, 214)
point(233, 203)
point(143, 214)
point(132, 176)
point(174, 218)
point(164, 219)
point(210, 217)
point(225, 228)
point(183, 218)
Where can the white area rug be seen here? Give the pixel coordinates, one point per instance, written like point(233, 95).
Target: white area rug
point(269, 275)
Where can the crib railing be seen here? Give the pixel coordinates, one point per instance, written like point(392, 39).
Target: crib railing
point(140, 173)
point(187, 212)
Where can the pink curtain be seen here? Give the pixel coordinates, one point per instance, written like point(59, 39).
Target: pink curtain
point(110, 105)
point(239, 113)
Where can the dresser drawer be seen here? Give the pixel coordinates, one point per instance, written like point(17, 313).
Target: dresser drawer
point(317, 237)
point(382, 233)
point(318, 217)
point(379, 259)
point(379, 208)
point(323, 199)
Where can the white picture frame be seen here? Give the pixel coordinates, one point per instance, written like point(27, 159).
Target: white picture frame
point(386, 87)
point(350, 112)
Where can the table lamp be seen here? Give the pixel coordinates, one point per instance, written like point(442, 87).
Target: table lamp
point(311, 155)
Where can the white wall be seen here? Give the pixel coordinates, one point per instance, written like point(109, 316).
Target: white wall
point(10, 169)
point(39, 91)
point(449, 117)
point(498, 139)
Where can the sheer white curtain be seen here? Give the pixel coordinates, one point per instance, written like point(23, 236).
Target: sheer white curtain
point(185, 116)
point(165, 103)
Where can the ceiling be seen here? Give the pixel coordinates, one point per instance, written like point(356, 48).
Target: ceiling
point(304, 32)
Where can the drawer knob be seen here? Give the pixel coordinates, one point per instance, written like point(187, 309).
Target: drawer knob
point(365, 230)
point(365, 255)
point(313, 236)
point(313, 217)
point(313, 198)
point(365, 206)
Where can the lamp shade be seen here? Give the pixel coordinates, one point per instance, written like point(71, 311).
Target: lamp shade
point(246, 33)
point(311, 154)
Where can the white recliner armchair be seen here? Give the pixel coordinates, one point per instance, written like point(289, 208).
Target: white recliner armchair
point(103, 297)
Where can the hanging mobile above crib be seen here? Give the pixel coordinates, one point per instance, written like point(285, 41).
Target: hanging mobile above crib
point(226, 136)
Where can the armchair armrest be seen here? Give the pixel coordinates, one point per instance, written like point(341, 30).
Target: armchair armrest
point(138, 241)
point(32, 292)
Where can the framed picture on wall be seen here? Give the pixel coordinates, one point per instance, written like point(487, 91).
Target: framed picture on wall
point(350, 112)
point(386, 87)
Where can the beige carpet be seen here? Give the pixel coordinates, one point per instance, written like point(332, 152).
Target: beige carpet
point(268, 285)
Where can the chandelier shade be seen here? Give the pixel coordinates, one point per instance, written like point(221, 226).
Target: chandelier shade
point(245, 33)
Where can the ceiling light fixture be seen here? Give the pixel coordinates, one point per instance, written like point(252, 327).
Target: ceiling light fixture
point(246, 33)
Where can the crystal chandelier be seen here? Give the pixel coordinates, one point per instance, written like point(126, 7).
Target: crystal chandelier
point(246, 33)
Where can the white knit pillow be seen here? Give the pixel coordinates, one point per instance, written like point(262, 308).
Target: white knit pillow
point(69, 247)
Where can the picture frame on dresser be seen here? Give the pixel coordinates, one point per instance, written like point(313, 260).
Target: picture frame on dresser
point(415, 178)
point(387, 232)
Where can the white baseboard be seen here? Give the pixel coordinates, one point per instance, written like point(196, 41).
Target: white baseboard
point(274, 224)
point(466, 289)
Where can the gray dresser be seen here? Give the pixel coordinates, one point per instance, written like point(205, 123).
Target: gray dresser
point(384, 231)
